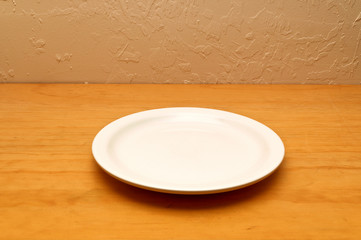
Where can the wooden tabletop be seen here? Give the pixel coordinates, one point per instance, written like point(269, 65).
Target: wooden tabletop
point(51, 187)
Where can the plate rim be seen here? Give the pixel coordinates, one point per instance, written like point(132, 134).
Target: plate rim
point(143, 185)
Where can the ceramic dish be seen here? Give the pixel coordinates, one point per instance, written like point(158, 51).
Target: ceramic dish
point(188, 150)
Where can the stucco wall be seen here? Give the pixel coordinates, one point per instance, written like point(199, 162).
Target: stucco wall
point(181, 41)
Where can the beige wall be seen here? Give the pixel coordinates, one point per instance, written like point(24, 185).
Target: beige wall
point(180, 41)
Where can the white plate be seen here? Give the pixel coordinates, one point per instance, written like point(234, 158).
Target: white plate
point(188, 150)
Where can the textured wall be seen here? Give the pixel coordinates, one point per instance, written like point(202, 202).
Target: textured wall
point(181, 41)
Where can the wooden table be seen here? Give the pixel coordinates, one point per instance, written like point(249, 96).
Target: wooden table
point(51, 187)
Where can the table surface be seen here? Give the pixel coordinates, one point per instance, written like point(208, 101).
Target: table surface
point(51, 187)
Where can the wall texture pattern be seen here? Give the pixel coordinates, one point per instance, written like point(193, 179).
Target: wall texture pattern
point(181, 41)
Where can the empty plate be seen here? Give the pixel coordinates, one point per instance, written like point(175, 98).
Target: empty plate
point(188, 150)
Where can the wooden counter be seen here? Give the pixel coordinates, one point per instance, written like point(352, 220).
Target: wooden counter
point(51, 187)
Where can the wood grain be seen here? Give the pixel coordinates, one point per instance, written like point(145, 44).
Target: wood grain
point(51, 188)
